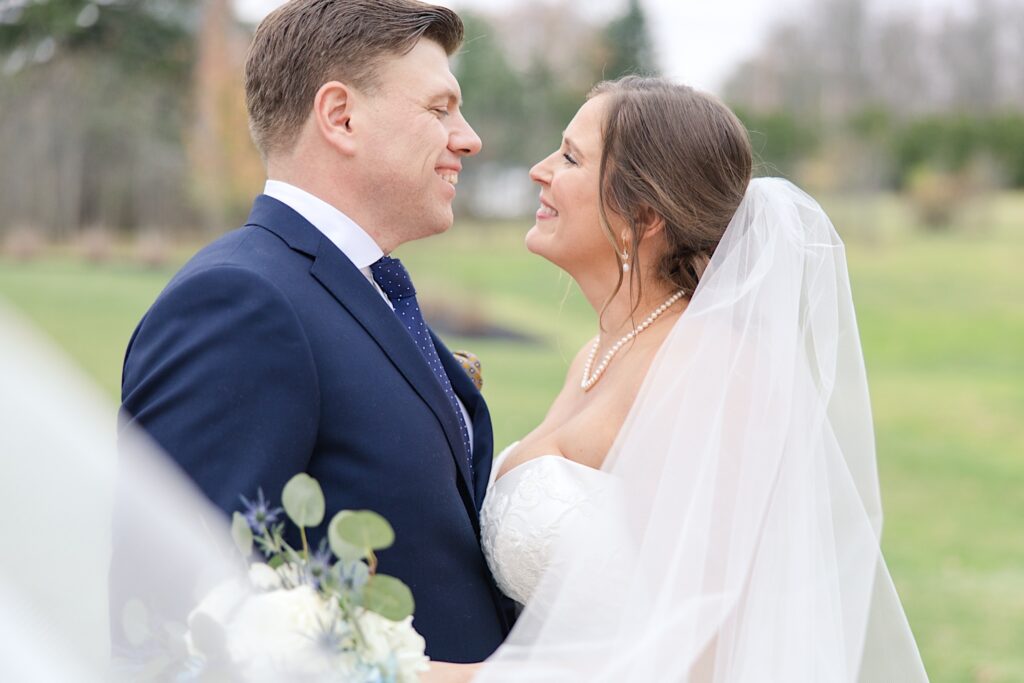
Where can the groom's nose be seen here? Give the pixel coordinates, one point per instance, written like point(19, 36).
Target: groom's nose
point(463, 140)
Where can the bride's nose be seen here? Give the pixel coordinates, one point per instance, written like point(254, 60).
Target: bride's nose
point(541, 173)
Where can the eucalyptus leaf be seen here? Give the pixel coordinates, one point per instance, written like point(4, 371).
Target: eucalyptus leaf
point(342, 549)
point(242, 534)
point(303, 500)
point(275, 562)
point(363, 529)
point(388, 597)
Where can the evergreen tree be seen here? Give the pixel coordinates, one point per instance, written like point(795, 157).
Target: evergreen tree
point(628, 44)
point(93, 99)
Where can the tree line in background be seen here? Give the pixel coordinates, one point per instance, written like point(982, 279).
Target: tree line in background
point(128, 115)
point(854, 96)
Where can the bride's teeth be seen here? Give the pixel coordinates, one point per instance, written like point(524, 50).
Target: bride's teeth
point(547, 211)
point(452, 178)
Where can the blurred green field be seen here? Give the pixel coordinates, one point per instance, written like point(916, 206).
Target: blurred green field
point(943, 329)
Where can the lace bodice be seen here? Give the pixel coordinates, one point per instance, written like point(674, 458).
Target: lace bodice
point(527, 511)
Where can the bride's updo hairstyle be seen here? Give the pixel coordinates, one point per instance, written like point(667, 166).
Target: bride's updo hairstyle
point(680, 154)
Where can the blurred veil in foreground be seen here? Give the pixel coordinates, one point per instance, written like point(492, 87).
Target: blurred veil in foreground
point(61, 480)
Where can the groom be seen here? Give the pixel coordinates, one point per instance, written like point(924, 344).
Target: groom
point(295, 344)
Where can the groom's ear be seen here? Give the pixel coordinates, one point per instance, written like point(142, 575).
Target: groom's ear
point(332, 114)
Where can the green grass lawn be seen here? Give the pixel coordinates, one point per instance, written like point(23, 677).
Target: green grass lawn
point(943, 329)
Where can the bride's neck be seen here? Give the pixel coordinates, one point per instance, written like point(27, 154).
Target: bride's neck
point(630, 305)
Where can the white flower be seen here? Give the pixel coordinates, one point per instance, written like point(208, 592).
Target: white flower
point(385, 638)
point(275, 631)
point(266, 631)
point(263, 577)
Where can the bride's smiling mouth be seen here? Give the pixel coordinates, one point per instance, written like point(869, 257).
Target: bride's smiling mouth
point(546, 211)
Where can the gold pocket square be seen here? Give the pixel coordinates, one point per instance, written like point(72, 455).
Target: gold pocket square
point(471, 364)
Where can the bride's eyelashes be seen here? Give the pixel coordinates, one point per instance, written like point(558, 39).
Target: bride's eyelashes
point(569, 159)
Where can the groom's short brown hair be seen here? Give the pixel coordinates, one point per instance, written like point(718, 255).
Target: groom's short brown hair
point(306, 43)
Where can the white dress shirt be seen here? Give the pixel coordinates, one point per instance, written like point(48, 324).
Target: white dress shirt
point(345, 234)
point(341, 230)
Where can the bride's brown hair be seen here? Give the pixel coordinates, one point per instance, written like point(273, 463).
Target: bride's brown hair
point(679, 154)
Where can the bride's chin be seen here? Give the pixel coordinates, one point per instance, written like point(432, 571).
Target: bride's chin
point(534, 242)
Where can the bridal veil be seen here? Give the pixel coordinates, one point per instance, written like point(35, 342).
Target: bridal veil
point(740, 538)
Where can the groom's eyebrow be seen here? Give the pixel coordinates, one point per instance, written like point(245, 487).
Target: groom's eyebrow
point(451, 94)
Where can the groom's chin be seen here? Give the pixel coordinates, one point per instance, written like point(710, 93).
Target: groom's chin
point(437, 224)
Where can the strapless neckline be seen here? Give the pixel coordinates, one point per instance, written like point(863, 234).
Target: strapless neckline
point(499, 460)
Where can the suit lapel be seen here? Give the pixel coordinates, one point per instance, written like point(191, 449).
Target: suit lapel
point(483, 435)
point(350, 288)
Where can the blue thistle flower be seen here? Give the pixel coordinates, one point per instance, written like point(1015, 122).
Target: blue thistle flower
point(353, 576)
point(333, 636)
point(258, 513)
point(318, 565)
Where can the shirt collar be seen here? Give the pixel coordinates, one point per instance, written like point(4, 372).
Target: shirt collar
point(341, 230)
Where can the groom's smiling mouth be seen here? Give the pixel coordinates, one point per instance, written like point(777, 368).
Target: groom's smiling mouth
point(449, 175)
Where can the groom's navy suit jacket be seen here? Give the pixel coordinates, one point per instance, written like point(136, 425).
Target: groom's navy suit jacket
point(270, 354)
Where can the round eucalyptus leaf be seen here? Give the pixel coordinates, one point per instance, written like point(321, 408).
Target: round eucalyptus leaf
point(303, 500)
point(388, 597)
point(365, 529)
point(342, 549)
point(241, 533)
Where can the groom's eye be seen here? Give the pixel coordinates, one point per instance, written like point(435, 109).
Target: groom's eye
point(442, 112)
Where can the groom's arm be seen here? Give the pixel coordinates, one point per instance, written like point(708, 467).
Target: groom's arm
point(221, 375)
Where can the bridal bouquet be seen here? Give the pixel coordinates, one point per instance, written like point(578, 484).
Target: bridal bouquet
point(323, 614)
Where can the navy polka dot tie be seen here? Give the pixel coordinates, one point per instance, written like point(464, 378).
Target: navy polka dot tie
point(394, 279)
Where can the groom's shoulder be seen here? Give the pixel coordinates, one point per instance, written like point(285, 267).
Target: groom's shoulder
point(247, 263)
point(250, 248)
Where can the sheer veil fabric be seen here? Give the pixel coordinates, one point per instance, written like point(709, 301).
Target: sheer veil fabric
point(101, 553)
point(740, 540)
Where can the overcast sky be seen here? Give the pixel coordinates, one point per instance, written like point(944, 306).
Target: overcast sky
point(699, 42)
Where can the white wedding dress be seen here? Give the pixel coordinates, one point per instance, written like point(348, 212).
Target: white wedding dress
point(528, 510)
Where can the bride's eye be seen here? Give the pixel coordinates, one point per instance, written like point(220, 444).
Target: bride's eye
point(569, 159)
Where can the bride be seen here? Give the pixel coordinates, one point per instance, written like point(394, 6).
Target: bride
point(701, 501)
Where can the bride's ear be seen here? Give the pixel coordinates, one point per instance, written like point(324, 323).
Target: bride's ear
point(652, 222)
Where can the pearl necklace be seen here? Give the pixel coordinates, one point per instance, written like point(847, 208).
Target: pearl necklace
point(590, 380)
